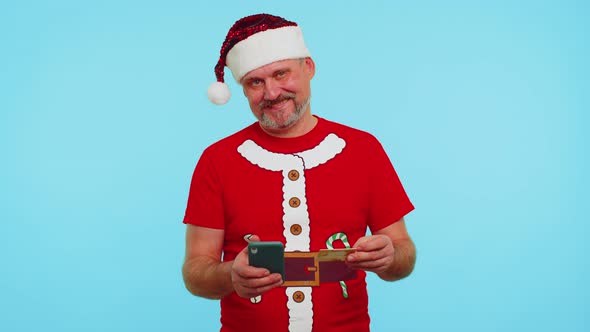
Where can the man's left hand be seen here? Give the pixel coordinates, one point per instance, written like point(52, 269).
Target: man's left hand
point(374, 253)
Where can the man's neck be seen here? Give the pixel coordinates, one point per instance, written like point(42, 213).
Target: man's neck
point(300, 128)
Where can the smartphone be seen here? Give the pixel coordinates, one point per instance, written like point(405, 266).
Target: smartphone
point(269, 255)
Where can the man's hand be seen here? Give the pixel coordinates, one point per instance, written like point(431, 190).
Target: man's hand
point(374, 253)
point(249, 281)
point(389, 252)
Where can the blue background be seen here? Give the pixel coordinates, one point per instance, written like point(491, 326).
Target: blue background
point(482, 106)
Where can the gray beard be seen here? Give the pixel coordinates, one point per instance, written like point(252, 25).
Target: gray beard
point(300, 109)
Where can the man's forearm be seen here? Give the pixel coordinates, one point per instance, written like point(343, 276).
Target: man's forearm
point(404, 258)
point(207, 277)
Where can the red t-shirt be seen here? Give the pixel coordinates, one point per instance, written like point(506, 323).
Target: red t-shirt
point(330, 183)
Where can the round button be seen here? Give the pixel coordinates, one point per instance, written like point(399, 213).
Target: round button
point(293, 175)
point(298, 296)
point(294, 202)
point(296, 229)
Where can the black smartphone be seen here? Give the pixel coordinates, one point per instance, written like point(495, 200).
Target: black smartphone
point(267, 254)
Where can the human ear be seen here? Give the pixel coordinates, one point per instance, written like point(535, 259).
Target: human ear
point(310, 67)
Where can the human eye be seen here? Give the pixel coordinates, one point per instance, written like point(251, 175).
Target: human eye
point(280, 74)
point(255, 82)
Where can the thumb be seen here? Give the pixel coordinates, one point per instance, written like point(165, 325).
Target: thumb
point(360, 243)
point(251, 238)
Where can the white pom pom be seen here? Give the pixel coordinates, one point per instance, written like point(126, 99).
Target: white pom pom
point(218, 93)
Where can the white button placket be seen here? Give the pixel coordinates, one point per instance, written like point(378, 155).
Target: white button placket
point(295, 213)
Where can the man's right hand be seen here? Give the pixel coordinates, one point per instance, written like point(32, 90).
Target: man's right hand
point(249, 281)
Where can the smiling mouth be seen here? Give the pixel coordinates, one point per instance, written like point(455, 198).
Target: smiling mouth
point(278, 106)
point(277, 103)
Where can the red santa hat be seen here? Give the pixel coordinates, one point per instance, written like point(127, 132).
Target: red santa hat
point(252, 42)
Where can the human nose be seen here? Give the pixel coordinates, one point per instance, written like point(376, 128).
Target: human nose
point(272, 90)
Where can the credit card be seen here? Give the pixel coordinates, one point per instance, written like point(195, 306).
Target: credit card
point(325, 255)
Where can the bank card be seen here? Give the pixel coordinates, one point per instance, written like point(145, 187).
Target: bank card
point(325, 255)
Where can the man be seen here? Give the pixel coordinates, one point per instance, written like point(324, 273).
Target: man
point(296, 178)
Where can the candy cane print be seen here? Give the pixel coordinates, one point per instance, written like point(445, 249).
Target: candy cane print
point(342, 237)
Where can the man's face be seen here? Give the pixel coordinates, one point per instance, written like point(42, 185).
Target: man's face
point(279, 93)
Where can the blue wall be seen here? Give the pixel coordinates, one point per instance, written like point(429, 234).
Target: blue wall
point(482, 106)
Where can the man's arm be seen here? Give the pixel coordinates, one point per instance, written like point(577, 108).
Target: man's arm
point(389, 252)
point(203, 272)
point(206, 276)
